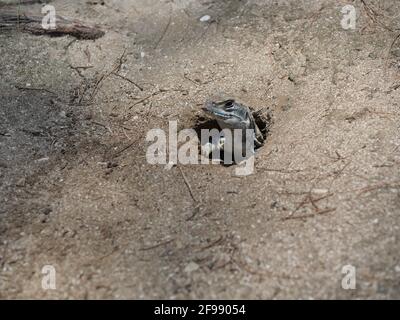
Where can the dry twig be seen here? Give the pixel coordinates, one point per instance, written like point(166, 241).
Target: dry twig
point(157, 245)
point(33, 24)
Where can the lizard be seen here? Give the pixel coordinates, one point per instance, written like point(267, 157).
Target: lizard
point(232, 115)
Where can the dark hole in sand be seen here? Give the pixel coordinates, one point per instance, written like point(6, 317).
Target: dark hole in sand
point(262, 118)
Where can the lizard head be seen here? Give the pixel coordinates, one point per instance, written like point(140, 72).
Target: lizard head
point(229, 114)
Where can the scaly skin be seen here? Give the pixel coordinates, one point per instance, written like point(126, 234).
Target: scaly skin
point(232, 115)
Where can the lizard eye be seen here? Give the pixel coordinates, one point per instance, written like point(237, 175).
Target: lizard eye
point(229, 104)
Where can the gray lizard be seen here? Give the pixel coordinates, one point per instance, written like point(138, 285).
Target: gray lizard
point(232, 115)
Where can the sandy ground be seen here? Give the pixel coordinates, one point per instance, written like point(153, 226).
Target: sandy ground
point(77, 193)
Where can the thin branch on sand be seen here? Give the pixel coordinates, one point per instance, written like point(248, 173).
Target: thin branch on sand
point(197, 206)
point(129, 80)
point(34, 89)
point(164, 32)
point(308, 199)
point(303, 216)
point(116, 68)
point(187, 184)
point(157, 245)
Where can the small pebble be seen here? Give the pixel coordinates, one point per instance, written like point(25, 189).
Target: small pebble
point(205, 18)
point(192, 266)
